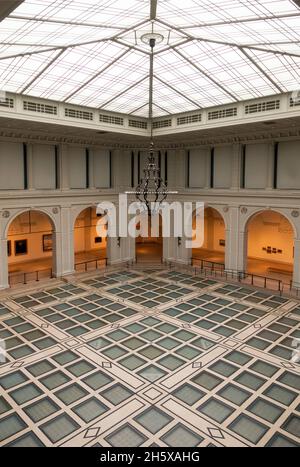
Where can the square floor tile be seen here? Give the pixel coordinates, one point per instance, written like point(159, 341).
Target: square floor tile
point(64, 358)
point(41, 409)
point(181, 436)
point(292, 425)
point(132, 362)
point(168, 343)
point(133, 343)
point(250, 380)
point(71, 393)
point(290, 379)
point(188, 394)
point(90, 409)
point(188, 352)
point(29, 440)
point(127, 437)
point(153, 419)
point(11, 425)
point(116, 394)
point(114, 352)
point(265, 410)
point(80, 368)
point(216, 410)
point(223, 368)
point(59, 428)
point(152, 373)
point(234, 394)
point(25, 393)
point(207, 380)
point(151, 352)
point(40, 368)
point(265, 369)
point(4, 405)
point(248, 428)
point(238, 357)
point(97, 380)
point(171, 362)
point(55, 380)
point(12, 380)
point(280, 394)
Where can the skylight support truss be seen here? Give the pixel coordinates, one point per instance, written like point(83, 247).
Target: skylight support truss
point(96, 75)
point(178, 92)
point(91, 52)
point(123, 92)
point(262, 71)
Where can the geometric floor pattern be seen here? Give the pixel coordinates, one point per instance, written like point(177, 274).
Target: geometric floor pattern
point(154, 358)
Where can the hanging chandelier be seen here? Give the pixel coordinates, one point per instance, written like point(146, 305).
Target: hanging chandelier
point(152, 190)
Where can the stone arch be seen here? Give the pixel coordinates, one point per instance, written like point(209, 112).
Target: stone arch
point(40, 246)
point(87, 245)
point(269, 248)
point(215, 232)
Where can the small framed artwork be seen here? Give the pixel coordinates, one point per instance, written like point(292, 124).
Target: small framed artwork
point(9, 248)
point(21, 247)
point(98, 239)
point(47, 242)
point(222, 243)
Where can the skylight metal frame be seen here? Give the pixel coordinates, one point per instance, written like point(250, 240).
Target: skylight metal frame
point(269, 57)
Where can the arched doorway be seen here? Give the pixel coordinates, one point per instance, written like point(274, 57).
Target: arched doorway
point(89, 245)
point(150, 248)
point(270, 245)
point(30, 247)
point(213, 248)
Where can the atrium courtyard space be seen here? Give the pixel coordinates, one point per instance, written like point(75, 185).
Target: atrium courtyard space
point(149, 226)
point(143, 358)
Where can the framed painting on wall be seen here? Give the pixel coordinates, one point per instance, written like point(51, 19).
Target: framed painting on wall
point(21, 247)
point(47, 242)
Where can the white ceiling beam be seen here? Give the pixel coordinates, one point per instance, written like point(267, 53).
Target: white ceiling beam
point(83, 85)
point(123, 92)
point(178, 92)
point(23, 90)
point(207, 75)
point(230, 44)
point(242, 21)
point(262, 71)
point(67, 23)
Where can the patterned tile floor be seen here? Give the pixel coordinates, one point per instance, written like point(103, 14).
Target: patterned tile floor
point(154, 358)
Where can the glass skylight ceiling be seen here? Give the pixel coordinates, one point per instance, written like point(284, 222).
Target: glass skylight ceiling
point(90, 53)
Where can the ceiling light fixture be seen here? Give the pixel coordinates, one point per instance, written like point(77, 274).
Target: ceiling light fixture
point(151, 191)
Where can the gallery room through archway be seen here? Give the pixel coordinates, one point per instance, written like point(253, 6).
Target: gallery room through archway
point(30, 245)
point(270, 245)
point(150, 248)
point(88, 244)
point(213, 248)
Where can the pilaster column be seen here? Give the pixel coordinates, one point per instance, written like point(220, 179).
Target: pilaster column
point(3, 263)
point(30, 180)
point(64, 167)
point(64, 245)
point(296, 274)
point(236, 244)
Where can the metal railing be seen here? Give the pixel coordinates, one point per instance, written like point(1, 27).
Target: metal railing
point(91, 265)
point(15, 278)
point(211, 269)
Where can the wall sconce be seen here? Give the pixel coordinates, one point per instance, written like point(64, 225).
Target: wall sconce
point(119, 241)
point(179, 241)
